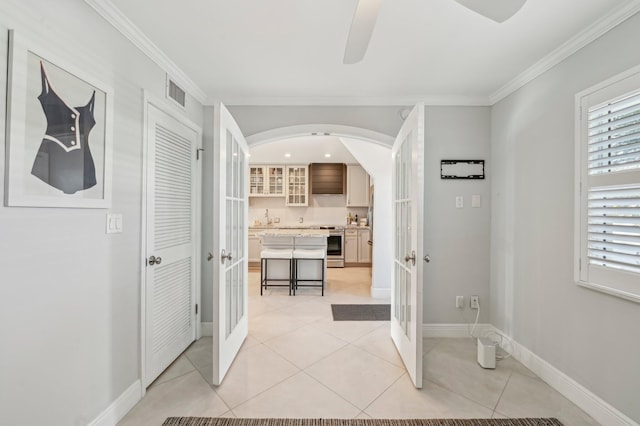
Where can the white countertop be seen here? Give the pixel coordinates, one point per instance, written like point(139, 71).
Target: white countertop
point(306, 227)
point(295, 232)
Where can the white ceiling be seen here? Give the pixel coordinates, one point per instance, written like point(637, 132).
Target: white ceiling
point(256, 51)
point(302, 150)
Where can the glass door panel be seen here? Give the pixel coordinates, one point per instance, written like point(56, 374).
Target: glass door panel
point(406, 292)
point(230, 296)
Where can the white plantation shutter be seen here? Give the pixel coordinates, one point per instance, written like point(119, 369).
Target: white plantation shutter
point(614, 135)
point(614, 228)
point(608, 236)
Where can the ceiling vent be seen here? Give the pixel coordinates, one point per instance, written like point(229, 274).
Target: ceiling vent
point(176, 93)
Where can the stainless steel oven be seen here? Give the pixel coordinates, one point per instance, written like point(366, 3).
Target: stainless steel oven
point(335, 246)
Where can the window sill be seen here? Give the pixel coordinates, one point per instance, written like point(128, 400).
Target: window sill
point(633, 297)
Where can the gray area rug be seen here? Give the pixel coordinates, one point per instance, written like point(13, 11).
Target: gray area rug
point(208, 421)
point(361, 312)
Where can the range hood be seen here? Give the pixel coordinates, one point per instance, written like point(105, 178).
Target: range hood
point(328, 178)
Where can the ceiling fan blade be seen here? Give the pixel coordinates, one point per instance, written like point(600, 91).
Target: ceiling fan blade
point(361, 29)
point(496, 10)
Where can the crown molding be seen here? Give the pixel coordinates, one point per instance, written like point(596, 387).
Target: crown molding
point(588, 35)
point(120, 22)
point(453, 100)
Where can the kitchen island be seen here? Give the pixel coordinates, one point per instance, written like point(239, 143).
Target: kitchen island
point(296, 239)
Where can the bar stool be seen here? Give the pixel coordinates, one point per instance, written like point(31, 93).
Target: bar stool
point(275, 254)
point(308, 254)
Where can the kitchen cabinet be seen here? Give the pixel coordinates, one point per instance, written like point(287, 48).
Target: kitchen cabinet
point(266, 181)
point(356, 246)
point(297, 188)
point(351, 246)
point(255, 247)
point(358, 186)
point(364, 249)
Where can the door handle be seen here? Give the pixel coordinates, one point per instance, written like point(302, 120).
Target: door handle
point(427, 258)
point(154, 260)
point(226, 256)
point(411, 258)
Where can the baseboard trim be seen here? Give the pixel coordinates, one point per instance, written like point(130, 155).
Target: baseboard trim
point(380, 293)
point(206, 329)
point(454, 330)
point(592, 404)
point(120, 407)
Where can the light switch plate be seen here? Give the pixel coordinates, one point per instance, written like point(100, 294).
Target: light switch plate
point(114, 223)
point(476, 201)
point(459, 202)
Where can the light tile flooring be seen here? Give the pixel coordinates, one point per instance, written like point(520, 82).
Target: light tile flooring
point(297, 362)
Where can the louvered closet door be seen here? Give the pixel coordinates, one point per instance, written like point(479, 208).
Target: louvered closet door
point(171, 239)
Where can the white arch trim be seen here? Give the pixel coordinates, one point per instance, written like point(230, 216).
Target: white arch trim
point(320, 129)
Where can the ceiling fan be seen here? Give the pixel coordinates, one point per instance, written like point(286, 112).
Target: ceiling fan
point(364, 19)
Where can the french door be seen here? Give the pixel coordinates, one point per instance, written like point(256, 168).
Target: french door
point(230, 266)
point(408, 208)
point(171, 242)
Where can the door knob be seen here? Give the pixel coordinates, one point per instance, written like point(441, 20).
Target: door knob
point(209, 257)
point(411, 258)
point(427, 258)
point(226, 256)
point(154, 260)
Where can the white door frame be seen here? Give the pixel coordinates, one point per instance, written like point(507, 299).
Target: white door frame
point(166, 107)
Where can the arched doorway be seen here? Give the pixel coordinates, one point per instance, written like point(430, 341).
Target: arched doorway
point(373, 151)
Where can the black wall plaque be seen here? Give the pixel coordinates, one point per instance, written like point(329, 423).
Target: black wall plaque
point(462, 169)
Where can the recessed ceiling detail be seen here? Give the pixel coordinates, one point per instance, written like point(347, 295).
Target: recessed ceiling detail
point(302, 150)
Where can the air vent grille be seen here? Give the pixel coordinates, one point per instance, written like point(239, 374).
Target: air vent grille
point(176, 93)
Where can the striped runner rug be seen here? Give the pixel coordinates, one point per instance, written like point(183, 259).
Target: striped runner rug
point(209, 421)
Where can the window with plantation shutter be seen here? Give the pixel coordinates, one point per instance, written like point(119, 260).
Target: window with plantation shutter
point(608, 200)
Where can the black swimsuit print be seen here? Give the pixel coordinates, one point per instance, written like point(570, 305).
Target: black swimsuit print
point(64, 160)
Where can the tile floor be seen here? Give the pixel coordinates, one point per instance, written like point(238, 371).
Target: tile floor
point(297, 362)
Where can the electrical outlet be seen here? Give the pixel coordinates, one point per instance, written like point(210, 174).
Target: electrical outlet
point(475, 304)
point(460, 302)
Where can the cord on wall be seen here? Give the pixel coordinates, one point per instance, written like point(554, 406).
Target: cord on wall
point(475, 324)
point(491, 334)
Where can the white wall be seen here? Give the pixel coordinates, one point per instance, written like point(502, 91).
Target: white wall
point(322, 210)
point(208, 130)
point(457, 240)
point(591, 337)
point(376, 160)
point(256, 119)
point(453, 237)
point(69, 293)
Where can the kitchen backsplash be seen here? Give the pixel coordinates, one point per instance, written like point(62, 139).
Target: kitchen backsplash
point(322, 210)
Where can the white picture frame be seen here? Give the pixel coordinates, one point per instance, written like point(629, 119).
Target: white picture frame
point(59, 132)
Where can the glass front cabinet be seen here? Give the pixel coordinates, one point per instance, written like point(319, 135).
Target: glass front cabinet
point(266, 181)
point(297, 186)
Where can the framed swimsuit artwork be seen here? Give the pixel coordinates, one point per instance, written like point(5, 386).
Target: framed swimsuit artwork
point(58, 132)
